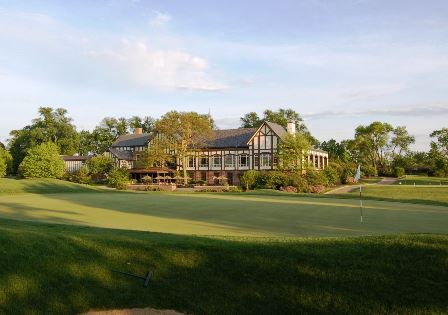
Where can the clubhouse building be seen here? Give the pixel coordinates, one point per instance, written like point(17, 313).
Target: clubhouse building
point(226, 154)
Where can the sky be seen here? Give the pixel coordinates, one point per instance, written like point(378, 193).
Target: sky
point(339, 63)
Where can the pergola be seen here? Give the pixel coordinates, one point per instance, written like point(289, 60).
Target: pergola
point(156, 173)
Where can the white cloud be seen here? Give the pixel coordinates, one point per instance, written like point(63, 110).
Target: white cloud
point(144, 65)
point(423, 110)
point(160, 19)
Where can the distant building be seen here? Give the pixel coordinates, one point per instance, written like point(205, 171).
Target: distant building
point(228, 153)
point(74, 163)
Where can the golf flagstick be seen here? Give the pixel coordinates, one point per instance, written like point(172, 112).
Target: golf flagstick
point(360, 201)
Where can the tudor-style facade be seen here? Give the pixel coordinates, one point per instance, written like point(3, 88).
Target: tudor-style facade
point(228, 153)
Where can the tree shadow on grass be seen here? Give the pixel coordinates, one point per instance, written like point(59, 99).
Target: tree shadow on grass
point(57, 269)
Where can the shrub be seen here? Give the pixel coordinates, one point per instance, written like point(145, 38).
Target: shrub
point(147, 179)
point(369, 170)
point(43, 161)
point(399, 171)
point(332, 175)
point(298, 181)
point(249, 179)
point(80, 176)
point(317, 189)
point(316, 177)
point(276, 180)
point(119, 178)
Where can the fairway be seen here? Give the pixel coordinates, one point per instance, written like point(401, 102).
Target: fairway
point(231, 214)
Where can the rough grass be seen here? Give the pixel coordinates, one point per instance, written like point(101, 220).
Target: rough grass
point(422, 180)
point(60, 269)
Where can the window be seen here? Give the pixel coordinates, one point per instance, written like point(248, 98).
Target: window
point(137, 157)
point(229, 160)
point(256, 160)
point(216, 161)
point(203, 161)
point(266, 159)
point(191, 161)
point(243, 160)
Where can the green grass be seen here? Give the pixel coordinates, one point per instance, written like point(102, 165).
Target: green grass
point(372, 180)
point(422, 180)
point(61, 269)
point(41, 186)
point(419, 195)
point(240, 214)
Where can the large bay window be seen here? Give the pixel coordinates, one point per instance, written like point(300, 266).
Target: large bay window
point(243, 160)
point(229, 160)
point(216, 161)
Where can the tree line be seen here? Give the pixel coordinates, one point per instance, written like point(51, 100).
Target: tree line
point(380, 148)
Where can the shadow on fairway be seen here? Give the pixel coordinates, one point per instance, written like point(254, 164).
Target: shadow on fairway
point(57, 269)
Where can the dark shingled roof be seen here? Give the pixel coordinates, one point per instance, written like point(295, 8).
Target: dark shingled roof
point(278, 129)
point(122, 155)
point(132, 140)
point(229, 138)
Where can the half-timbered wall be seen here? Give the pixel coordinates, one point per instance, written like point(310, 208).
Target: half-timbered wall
point(263, 148)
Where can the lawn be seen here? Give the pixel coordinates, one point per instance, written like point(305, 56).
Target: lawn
point(422, 180)
point(229, 214)
point(62, 269)
point(436, 195)
point(262, 252)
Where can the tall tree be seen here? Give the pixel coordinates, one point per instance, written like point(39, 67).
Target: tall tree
point(401, 140)
point(293, 152)
point(441, 143)
point(336, 150)
point(52, 125)
point(372, 141)
point(281, 117)
point(5, 162)
point(187, 131)
point(251, 120)
point(157, 154)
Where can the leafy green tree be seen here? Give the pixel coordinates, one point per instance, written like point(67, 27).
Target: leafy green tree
point(43, 161)
point(293, 152)
point(52, 125)
point(157, 155)
point(281, 117)
point(2, 145)
point(372, 143)
point(5, 162)
point(100, 165)
point(401, 140)
point(441, 143)
point(187, 131)
point(336, 150)
point(251, 120)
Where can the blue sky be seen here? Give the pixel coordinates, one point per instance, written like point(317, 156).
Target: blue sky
point(338, 63)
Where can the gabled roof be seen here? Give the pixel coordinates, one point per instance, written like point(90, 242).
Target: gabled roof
point(122, 155)
point(228, 138)
point(277, 129)
point(133, 140)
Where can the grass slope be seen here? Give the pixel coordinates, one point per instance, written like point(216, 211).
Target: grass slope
point(60, 269)
point(41, 186)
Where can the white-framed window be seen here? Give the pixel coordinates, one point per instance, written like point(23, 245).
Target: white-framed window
point(243, 160)
point(203, 161)
point(266, 159)
point(191, 161)
point(216, 161)
point(229, 160)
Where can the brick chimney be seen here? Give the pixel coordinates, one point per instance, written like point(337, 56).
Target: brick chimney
point(138, 131)
point(291, 127)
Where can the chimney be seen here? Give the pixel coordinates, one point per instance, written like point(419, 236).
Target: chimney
point(291, 127)
point(138, 131)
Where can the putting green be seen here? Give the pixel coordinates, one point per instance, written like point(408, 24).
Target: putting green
point(226, 214)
